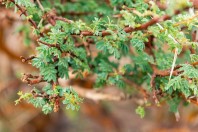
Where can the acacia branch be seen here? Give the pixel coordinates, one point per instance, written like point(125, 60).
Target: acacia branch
point(62, 19)
point(164, 73)
point(131, 29)
point(72, 13)
point(49, 45)
point(30, 79)
point(25, 13)
point(51, 17)
point(23, 59)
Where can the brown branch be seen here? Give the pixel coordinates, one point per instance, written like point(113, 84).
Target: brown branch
point(131, 29)
point(49, 45)
point(25, 13)
point(152, 83)
point(163, 73)
point(58, 47)
point(150, 46)
point(30, 79)
point(23, 59)
point(62, 19)
point(52, 18)
point(195, 63)
point(72, 13)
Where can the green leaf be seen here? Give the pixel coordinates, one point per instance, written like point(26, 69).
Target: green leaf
point(37, 102)
point(101, 45)
point(189, 71)
point(72, 100)
point(49, 72)
point(138, 44)
point(38, 62)
point(46, 109)
point(140, 111)
point(194, 57)
point(26, 3)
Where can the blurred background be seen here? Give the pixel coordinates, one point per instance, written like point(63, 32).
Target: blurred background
point(103, 116)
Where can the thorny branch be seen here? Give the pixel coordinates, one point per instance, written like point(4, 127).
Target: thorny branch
point(163, 73)
point(23, 11)
point(23, 59)
point(52, 18)
point(31, 80)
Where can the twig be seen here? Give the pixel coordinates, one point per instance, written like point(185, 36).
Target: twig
point(40, 5)
point(72, 13)
point(62, 19)
point(164, 73)
point(23, 59)
point(152, 83)
point(33, 23)
point(49, 45)
point(30, 79)
point(195, 63)
point(25, 13)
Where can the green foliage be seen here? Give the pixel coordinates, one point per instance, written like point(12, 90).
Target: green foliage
point(71, 98)
point(140, 111)
point(49, 73)
point(47, 109)
point(25, 3)
point(99, 36)
point(138, 44)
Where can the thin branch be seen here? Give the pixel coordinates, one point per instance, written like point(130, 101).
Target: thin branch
point(72, 13)
point(164, 73)
point(23, 59)
point(49, 45)
point(30, 79)
point(31, 21)
point(62, 19)
point(194, 63)
point(152, 83)
point(25, 13)
point(131, 29)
